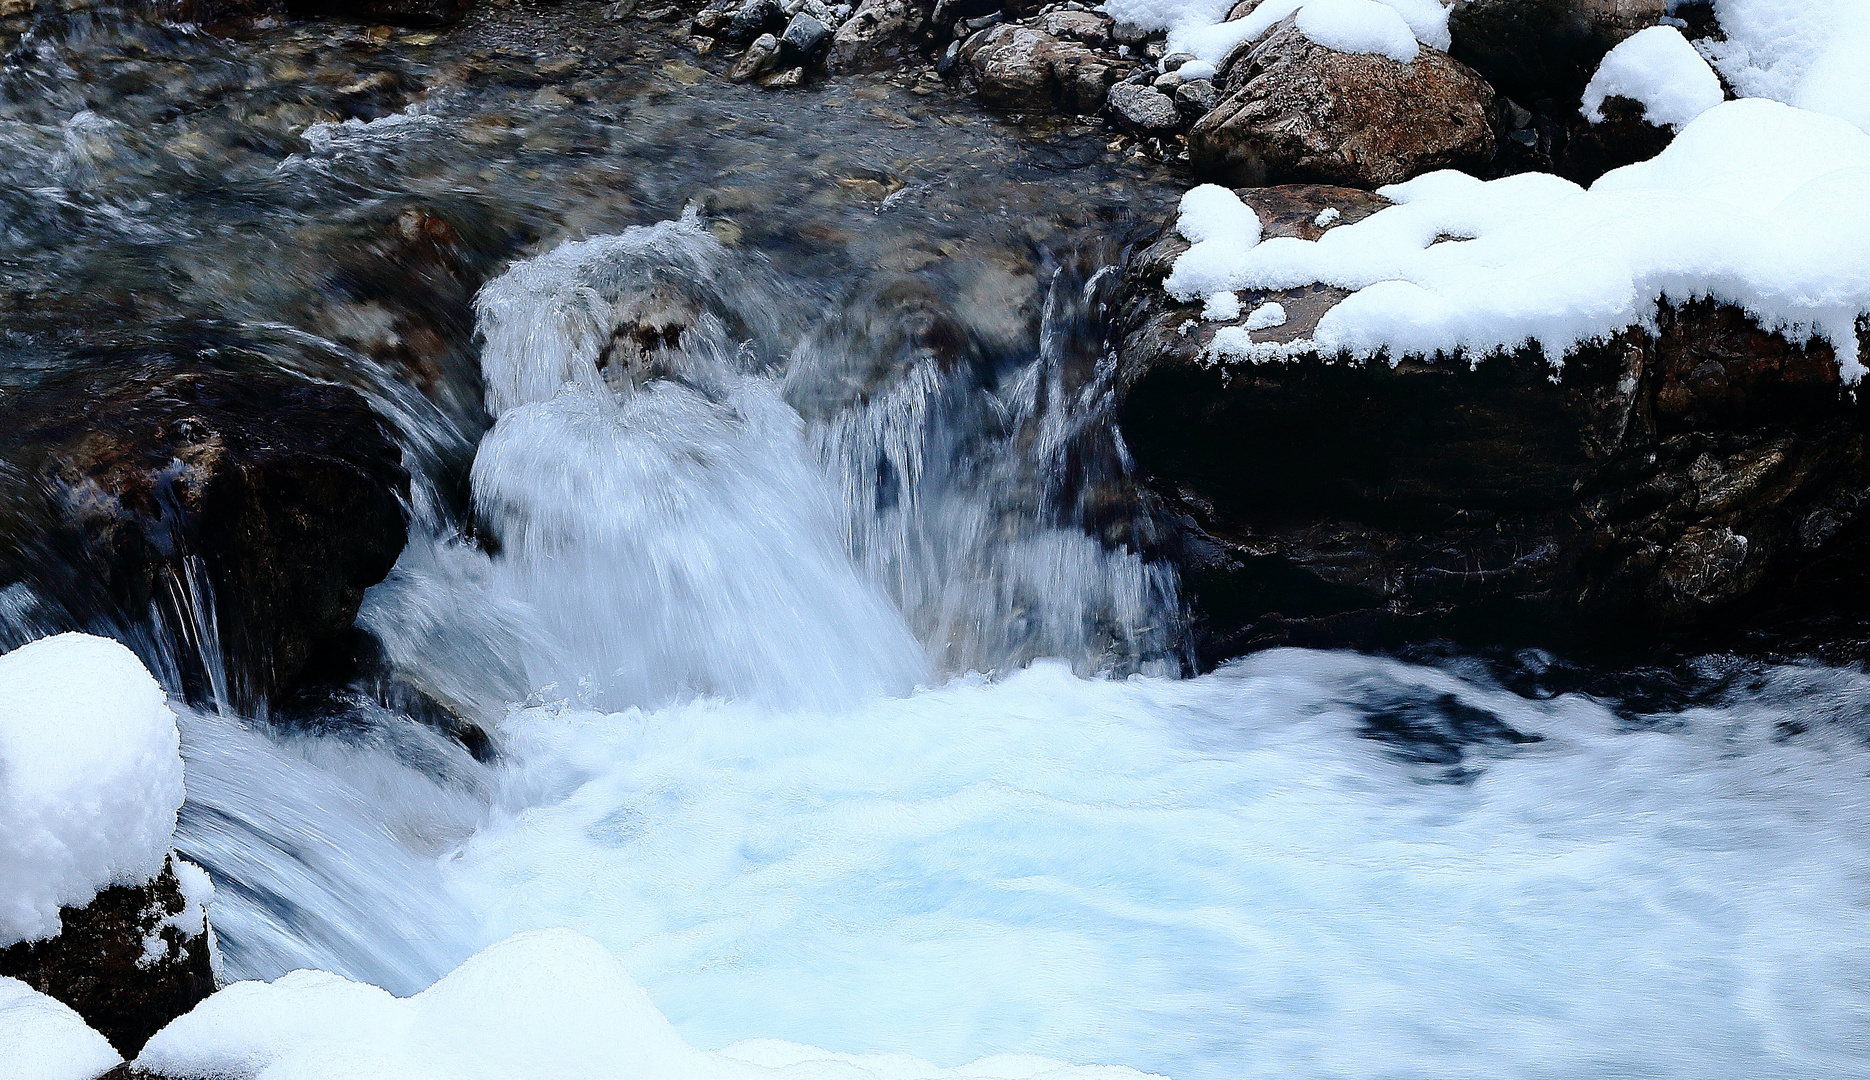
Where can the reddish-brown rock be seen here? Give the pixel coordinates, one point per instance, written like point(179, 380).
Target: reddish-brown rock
point(1295, 111)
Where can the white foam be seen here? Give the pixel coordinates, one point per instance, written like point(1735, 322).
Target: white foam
point(44, 1039)
point(90, 778)
point(1216, 878)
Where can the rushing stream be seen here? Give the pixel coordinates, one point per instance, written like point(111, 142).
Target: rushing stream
point(832, 681)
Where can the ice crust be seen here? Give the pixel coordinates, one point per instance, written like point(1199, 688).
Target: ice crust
point(1390, 28)
point(41, 1038)
point(1755, 203)
point(90, 778)
point(1660, 69)
point(545, 1005)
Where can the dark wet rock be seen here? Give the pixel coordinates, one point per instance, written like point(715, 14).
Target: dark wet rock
point(1622, 137)
point(880, 34)
point(1543, 52)
point(130, 961)
point(1020, 67)
point(1295, 111)
point(754, 19)
point(803, 37)
point(1143, 110)
point(1665, 486)
point(419, 13)
point(162, 474)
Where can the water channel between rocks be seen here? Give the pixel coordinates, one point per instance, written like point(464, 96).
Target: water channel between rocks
point(721, 588)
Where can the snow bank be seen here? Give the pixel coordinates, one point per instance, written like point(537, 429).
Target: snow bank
point(544, 1004)
point(90, 778)
point(1754, 203)
point(44, 1039)
point(1814, 54)
point(1387, 27)
point(1660, 69)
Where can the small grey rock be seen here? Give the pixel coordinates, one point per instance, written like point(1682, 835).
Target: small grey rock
point(1196, 98)
point(946, 63)
point(1167, 81)
point(1175, 60)
point(1143, 109)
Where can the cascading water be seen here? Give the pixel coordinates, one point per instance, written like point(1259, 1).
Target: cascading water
point(1305, 864)
point(807, 606)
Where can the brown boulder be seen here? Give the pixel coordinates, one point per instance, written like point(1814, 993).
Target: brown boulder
point(1024, 68)
point(130, 961)
point(1295, 111)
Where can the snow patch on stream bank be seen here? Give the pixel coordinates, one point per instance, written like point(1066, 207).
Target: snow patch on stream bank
point(1755, 203)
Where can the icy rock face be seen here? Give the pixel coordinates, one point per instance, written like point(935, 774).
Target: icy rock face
point(1667, 478)
point(1298, 111)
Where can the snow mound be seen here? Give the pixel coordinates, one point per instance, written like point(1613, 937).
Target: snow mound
point(46, 1040)
point(1359, 26)
point(1808, 53)
point(90, 778)
point(545, 1004)
point(1387, 27)
point(1660, 69)
point(1755, 204)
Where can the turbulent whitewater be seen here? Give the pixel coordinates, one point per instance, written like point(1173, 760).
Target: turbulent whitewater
point(739, 745)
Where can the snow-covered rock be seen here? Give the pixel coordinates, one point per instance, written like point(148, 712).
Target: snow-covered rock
point(90, 778)
point(45, 1040)
point(131, 960)
point(1297, 111)
point(1755, 204)
point(545, 1005)
point(1204, 28)
point(1658, 69)
point(1681, 474)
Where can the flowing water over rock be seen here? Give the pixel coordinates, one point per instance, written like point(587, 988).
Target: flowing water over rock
point(768, 516)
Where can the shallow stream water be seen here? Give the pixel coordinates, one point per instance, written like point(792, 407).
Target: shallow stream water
point(832, 683)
